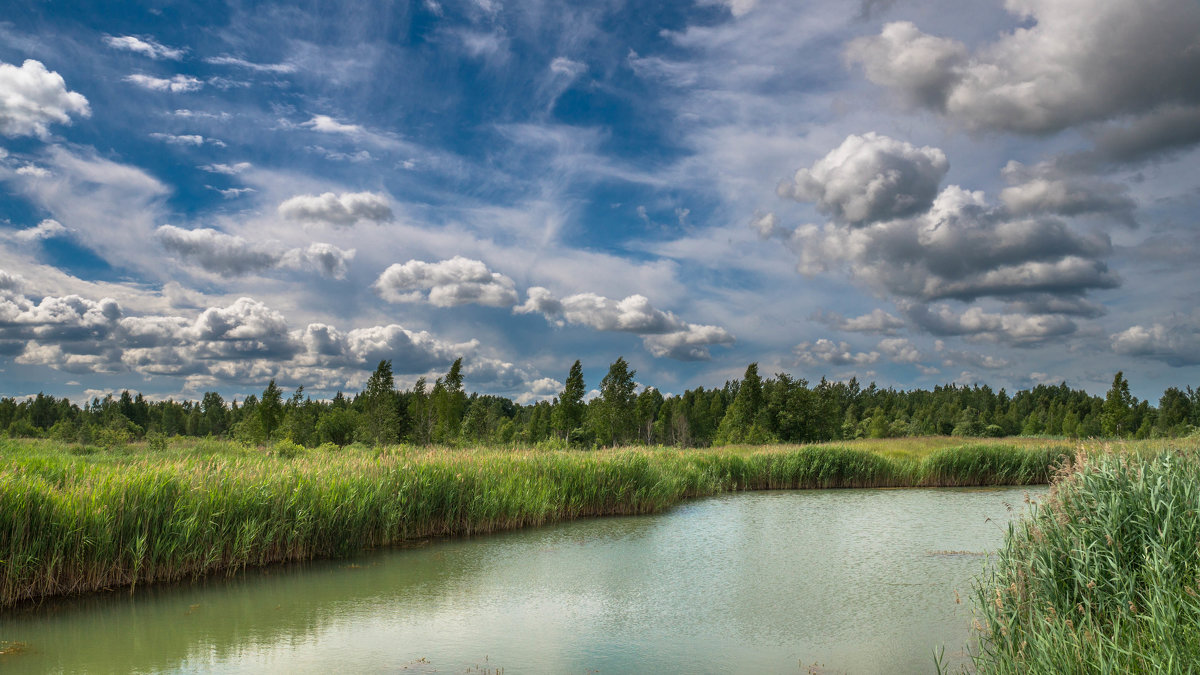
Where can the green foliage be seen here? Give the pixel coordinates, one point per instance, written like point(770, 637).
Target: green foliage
point(287, 449)
point(1101, 578)
point(156, 441)
point(569, 409)
point(1115, 420)
point(752, 410)
point(612, 414)
point(380, 423)
point(270, 410)
point(73, 523)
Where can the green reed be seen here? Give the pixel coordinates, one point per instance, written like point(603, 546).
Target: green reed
point(74, 521)
point(1103, 577)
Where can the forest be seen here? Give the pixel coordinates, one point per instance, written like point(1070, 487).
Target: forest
point(752, 410)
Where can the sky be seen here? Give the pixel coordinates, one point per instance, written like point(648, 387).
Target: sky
point(205, 196)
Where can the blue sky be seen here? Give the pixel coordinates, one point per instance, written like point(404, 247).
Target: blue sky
point(204, 196)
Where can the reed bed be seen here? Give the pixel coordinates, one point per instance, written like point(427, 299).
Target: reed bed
point(1103, 577)
point(74, 520)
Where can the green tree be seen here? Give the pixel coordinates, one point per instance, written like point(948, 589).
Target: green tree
point(270, 410)
point(380, 423)
point(569, 410)
point(743, 422)
point(338, 425)
point(1118, 406)
point(449, 404)
point(645, 412)
point(420, 411)
point(214, 418)
point(613, 421)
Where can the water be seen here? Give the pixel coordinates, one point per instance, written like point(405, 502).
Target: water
point(856, 581)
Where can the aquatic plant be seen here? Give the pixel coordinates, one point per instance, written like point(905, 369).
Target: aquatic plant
point(72, 523)
point(1103, 577)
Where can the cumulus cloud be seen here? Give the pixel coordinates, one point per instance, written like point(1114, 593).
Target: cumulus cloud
point(243, 341)
point(663, 333)
point(32, 98)
point(899, 350)
point(689, 344)
point(827, 352)
point(1042, 189)
point(457, 281)
point(975, 323)
point(342, 209)
point(222, 253)
point(1176, 342)
point(1075, 61)
point(175, 84)
point(963, 249)
point(877, 321)
point(145, 46)
point(10, 282)
point(870, 178)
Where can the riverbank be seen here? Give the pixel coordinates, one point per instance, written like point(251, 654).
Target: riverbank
point(1103, 577)
point(80, 519)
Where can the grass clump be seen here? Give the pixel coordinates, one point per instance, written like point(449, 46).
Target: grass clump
point(1104, 577)
point(72, 523)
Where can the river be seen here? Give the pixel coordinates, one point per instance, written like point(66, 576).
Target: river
point(824, 581)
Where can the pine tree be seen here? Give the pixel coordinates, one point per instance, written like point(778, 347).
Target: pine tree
point(380, 419)
point(270, 410)
point(449, 403)
point(1118, 404)
point(569, 410)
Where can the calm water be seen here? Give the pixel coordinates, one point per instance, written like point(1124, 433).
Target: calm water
point(857, 581)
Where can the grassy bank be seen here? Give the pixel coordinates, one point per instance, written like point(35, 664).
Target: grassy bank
point(79, 519)
point(1104, 577)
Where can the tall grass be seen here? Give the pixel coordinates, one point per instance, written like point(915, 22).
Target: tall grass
point(74, 521)
point(1104, 577)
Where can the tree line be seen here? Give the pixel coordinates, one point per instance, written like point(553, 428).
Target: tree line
point(752, 410)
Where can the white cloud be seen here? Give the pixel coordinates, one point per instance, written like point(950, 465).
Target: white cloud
point(337, 209)
point(194, 140)
point(145, 46)
point(46, 229)
point(227, 254)
point(32, 98)
point(827, 352)
point(175, 84)
point(33, 171)
point(457, 281)
point(689, 344)
point(899, 350)
point(976, 323)
point(328, 125)
point(870, 178)
point(1176, 342)
point(226, 169)
point(877, 321)
point(1076, 61)
point(243, 63)
point(663, 333)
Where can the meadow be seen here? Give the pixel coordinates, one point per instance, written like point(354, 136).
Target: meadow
point(76, 519)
